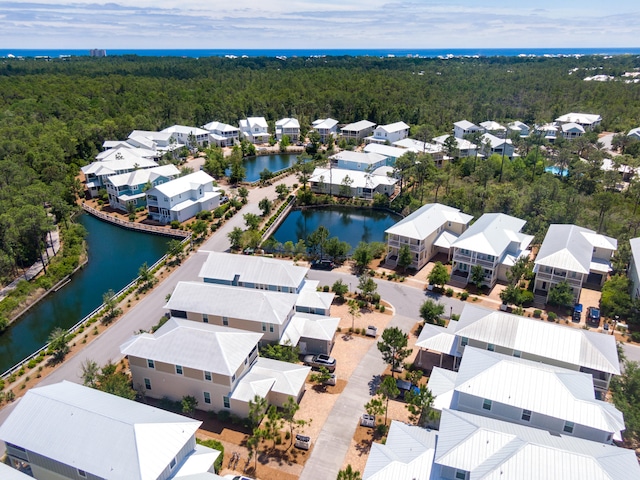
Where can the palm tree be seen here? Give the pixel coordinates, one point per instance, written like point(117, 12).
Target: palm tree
point(58, 344)
point(349, 474)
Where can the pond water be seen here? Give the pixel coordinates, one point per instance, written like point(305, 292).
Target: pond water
point(351, 225)
point(273, 163)
point(557, 171)
point(115, 255)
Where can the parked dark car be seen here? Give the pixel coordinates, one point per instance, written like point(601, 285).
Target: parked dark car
point(321, 360)
point(577, 312)
point(322, 265)
point(593, 316)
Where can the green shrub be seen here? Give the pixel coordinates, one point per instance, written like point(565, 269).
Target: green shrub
point(635, 337)
point(325, 288)
point(449, 292)
point(223, 415)
point(537, 313)
point(216, 445)
point(464, 296)
point(551, 316)
point(382, 308)
point(33, 363)
point(175, 224)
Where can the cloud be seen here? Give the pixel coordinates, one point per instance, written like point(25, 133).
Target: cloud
point(306, 24)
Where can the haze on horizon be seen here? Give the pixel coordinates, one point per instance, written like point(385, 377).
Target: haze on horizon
point(332, 24)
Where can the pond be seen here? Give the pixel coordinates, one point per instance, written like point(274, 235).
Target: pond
point(351, 225)
point(115, 255)
point(273, 163)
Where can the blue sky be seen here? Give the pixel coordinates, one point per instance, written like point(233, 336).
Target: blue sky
point(346, 24)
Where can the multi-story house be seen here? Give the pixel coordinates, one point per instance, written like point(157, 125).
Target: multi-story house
point(429, 230)
point(390, 133)
point(326, 127)
point(190, 136)
point(212, 363)
point(67, 431)
point(254, 129)
point(464, 147)
point(222, 134)
point(571, 130)
point(353, 183)
point(529, 393)
point(182, 198)
point(575, 255)
point(495, 145)
point(130, 188)
point(520, 128)
point(465, 127)
point(289, 127)
point(362, 161)
point(392, 153)
point(571, 348)
point(494, 128)
point(494, 242)
point(358, 130)
point(589, 121)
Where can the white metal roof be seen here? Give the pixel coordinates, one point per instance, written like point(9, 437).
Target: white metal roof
point(490, 125)
point(289, 377)
point(407, 454)
point(465, 124)
point(518, 125)
point(186, 130)
point(574, 346)
point(189, 182)
point(572, 127)
point(220, 127)
point(439, 339)
point(492, 234)
point(307, 325)
point(442, 383)
point(495, 142)
point(493, 449)
point(251, 122)
point(100, 433)
point(393, 127)
point(359, 157)
point(113, 166)
point(201, 346)
point(233, 302)
point(428, 219)
point(581, 118)
point(252, 269)
point(142, 176)
point(125, 153)
point(417, 146)
point(386, 150)
point(570, 247)
point(309, 297)
point(634, 132)
point(461, 143)
point(325, 123)
point(358, 126)
point(197, 464)
point(359, 179)
point(252, 384)
point(8, 473)
point(155, 136)
point(552, 391)
point(288, 123)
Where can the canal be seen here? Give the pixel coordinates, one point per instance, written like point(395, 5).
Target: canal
point(115, 255)
point(273, 163)
point(351, 225)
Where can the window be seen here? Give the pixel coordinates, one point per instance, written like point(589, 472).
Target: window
point(568, 427)
point(151, 363)
point(526, 415)
point(464, 341)
point(225, 321)
point(205, 318)
point(207, 397)
point(147, 384)
point(225, 402)
point(172, 463)
point(82, 473)
point(179, 369)
point(233, 378)
point(486, 404)
point(207, 376)
point(461, 475)
point(491, 347)
point(264, 327)
point(271, 327)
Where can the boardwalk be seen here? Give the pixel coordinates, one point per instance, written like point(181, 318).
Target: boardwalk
point(141, 227)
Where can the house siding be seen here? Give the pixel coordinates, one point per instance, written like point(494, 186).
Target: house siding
point(45, 468)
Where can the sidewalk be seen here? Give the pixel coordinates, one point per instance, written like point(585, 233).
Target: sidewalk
point(53, 247)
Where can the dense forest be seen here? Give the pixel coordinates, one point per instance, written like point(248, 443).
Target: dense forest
point(55, 115)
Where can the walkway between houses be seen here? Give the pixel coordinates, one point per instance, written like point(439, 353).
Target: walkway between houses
point(334, 440)
point(53, 247)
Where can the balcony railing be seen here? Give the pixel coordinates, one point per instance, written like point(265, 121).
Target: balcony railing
point(555, 278)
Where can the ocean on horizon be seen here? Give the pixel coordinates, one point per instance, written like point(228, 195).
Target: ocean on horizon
point(292, 53)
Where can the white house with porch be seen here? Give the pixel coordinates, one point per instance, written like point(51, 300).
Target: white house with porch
point(589, 121)
point(222, 134)
point(528, 393)
point(130, 188)
point(289, 127)
point(97, 173)
point(465, 127)
point(571, 130)
point(182, 198)
point(390, 133)
point(495, 145)
point(326, 127)
point(495, 242)
point(362, 161)
point(552, 344)
point(190, 136)
point(428, 231)
point(465, 147)
point(254, 129)
point(353, 183)
point(575, 255)
point(358, 130)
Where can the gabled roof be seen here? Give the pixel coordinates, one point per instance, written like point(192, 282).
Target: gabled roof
point(142, 176)
point(220, 127)
point(233, 302)
point(359, 157)
point(252, 269)
point(163, 136)
point(635, 252)
point(190, 182)
point(442, 383)
point(288, 123)
point(439, 339)
point(310, 297)
point(126, 153)
point(566, 127)
point(325, 123)
point(581, 118)
point(573, 346)
point(490, 125)
point(461, 143)
point(634, 132)
point(427, 220)
point(386, 150)
point(307, 325)
point(186, 130)
point(201, 346)
point(289, 377)
point(393, 127)
point(493, 449)
point(97, 432)
point(417, 146)
point(359, 178)
point(492, 234)
point(495, 141)
point(518, 125)
point(465, 125)
point(549, 390)
point(570, 247)
point(252, 384)
point(251, 122)
point(407, 454)
point(358, 126)
point(111, 167)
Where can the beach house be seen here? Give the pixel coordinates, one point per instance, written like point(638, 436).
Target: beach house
point(289, 127)
point(389, 133)
point(358, 130)
point(589, 121)
point(325, 127)
point(254, 129)
point(189, 136)
point(130, 188)
point(222, 134)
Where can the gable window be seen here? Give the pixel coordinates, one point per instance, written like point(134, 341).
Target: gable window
point(233, 378)
point(464, 341)
point(526, 415)
point(517, 353)
point(207, 397)
point(207, 376)
point(82, 473)
point(461, 475)
point(205, 318)
point(147, 384)
point(486, 404)
point(225, 321)
point(491, 347)
point(568, 427)
point(172, 464)
point(151, 363)
point(264, 327)
point(179, 369)
point(271, 327)
point(225, 402)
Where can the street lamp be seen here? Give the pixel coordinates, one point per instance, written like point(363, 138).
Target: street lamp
point(450, 311)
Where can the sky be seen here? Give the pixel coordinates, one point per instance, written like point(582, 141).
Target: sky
point(328, 24)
